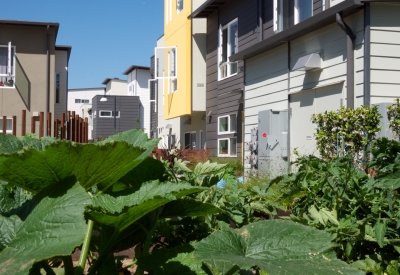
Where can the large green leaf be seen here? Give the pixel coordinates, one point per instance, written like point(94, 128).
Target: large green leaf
point(122, 211)
point(178, 260)
point(11, 198)
point(91, 164)
point(188, 207)
point(276, 247)
point(8, 229)
point(12, 144)
point(54, 227)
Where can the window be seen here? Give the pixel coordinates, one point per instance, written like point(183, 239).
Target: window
point(57, 88)
point(85, 100)
point(190, 140)
point(77, 101)
point(227, 147)
point(173, 86)
point(228, 45)
point(179, 6)
point(302, 10)
point(8, 125)
point(227, 124)
point(108, 114)
point(171, 141)
point(7, 68)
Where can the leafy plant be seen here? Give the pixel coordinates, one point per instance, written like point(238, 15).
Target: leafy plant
point(393, 114)
point(360, 211)
point(346, 131)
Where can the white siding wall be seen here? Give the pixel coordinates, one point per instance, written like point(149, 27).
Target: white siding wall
point(141, 89)
point(61, 67)
point(385, 52)
point(267, 80)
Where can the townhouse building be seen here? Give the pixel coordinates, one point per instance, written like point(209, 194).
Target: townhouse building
point(181, 67)
point(33, 73)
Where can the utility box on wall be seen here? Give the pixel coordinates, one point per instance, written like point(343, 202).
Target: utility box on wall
point(273, 151)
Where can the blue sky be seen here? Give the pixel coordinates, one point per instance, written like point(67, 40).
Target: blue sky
point(106, 36)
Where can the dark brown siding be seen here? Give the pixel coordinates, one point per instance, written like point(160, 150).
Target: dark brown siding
point(223, 96)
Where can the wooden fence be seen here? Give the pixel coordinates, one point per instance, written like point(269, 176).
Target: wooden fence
point(70, 126)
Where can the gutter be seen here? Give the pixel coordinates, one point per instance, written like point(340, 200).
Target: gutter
point(350, 59)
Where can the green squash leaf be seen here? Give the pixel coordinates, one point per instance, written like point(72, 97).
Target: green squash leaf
point(8, 229)
point(188, 207)
point(54, 227)
point(380, 231)
point(178, 260)
point(91, 164)
point(122, 211)
point(11, 198)
point(276, 247)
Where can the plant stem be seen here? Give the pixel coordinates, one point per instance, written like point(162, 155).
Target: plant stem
point(68, 265)
point(47, 268)
point(85, 249)
point(103, 253)
point(232, 270)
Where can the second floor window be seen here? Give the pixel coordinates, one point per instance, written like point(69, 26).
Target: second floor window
point(7, 68)
point(228, 45)
point(179, 6)
point(302, 10)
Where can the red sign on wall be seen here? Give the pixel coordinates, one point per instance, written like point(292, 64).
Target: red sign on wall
point(264, 135)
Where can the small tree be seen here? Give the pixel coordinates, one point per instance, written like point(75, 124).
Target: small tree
point(346, 131)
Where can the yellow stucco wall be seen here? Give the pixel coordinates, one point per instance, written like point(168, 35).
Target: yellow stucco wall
point(178, 32)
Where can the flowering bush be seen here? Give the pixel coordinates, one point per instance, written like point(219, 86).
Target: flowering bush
point(346, 130)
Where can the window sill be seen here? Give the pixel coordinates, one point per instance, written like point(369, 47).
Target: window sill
point(227, 156)
point(7, 87)
point(220, 79)
point(226, 133)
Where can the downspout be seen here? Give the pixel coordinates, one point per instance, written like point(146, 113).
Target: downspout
point(350, 59)
point(367, 54)
point(48, 74)
point(289, 110)
point(260, 21)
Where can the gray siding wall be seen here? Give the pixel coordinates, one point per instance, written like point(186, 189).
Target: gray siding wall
point(268, 80)
point(385, 52)
point(129, 113)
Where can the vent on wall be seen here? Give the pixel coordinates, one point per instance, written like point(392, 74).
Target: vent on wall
point(200, 85)
point(308, 62)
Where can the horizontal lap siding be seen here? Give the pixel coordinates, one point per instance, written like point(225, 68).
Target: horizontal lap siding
point(222, 96)
point(385, 52)
point(317, 6)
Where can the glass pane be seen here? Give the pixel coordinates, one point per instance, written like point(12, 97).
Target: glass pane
point(8, 125)
point(233, 38)
point(3, 60)
point(193, 140)
point(233, 123)
point(223, 147)
point(224, 45)
point(187, 140)
point(223, 124)
point(280, 15)
point(305, 9)
point(105, 113)
point(233, 68)
point(232, 144)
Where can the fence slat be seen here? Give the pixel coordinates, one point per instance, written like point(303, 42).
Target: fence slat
point(4, 125)
point(33, 124)
point(23, 123)
point(14, 125)
point(41, 122)
point(68, 134)
point(48, 131)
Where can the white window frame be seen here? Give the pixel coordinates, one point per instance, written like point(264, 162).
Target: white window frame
point(166, 11)
point(225, 65)
point(297, 10)
point(179, 6)
point(1, 124)
point(155, 93)
point(111, 116)
point(78, 101)
point(156, 60)
point(229, 147)
point(170, 10)
point(10, 69)
point(229, 124)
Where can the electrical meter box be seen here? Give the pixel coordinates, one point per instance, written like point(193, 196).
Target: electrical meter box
point(273, 151)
